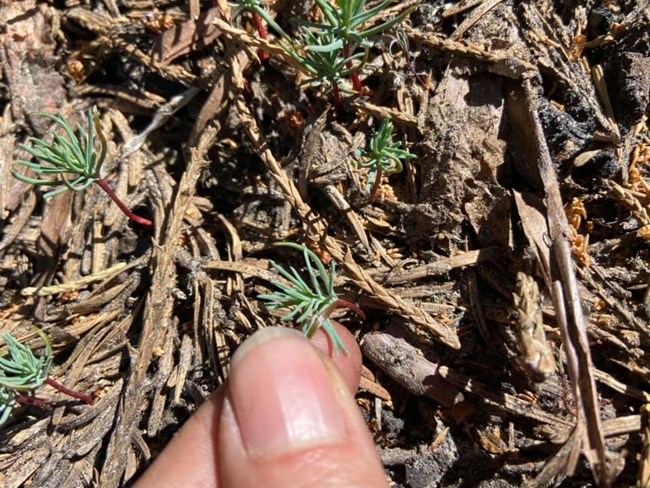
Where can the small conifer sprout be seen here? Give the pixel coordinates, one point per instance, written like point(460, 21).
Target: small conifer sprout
point(71, 160)
point(309, 304)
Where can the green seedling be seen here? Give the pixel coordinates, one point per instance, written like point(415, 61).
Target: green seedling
point(310, 305)
point(383, 157)
point(21, 372)
point(74, 159)
point(345, 22)
point(326, 51)
point(323, 62)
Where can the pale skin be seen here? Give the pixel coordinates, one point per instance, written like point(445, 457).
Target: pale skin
point(286, 417)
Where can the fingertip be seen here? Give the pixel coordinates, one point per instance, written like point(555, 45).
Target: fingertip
point(285, 417)
point(349, 364)
point(289, 419)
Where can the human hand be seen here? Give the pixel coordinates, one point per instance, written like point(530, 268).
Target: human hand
point(286, 417)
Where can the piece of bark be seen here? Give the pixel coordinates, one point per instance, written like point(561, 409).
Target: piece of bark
point(407, 366)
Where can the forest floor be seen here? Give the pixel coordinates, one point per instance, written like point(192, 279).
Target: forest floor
point(504, 273)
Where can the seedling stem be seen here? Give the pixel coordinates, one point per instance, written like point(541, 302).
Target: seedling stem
point(126, 210)
point(67, 391)
point(261, 31)
point(354, 76)
point(72, 157)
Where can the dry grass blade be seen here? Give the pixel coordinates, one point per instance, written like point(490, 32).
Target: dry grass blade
point(252, 41)
point(107, 273)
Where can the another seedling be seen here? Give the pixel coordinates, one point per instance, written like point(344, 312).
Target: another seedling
point(326, 50)
point(310, 306)
point(21, 372)
point(323, 61)
point(344, 22)
point(402, 42)
point(384, 157)
point(73, 159)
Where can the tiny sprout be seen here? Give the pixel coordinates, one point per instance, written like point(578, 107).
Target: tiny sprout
point(71, 156)
point(321, 56)
point(344, 22)
point(21, 372)
point(310, 304)
point(401, 41)
point(383, 157)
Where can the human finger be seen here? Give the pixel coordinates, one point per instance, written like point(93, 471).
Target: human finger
point(289, 420)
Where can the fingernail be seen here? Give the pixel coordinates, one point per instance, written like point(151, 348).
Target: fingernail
point(281, 394)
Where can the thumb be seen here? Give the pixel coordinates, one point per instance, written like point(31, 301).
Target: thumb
point(288, 420)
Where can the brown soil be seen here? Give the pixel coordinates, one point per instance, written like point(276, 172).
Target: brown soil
point(504, 273)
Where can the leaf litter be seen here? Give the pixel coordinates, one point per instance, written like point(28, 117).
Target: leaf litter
point(504, 272)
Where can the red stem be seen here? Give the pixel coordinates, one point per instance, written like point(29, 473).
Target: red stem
point(356, 81)
point(135, 218)
point(337, 97)
point(375, 186)
point(340, 303)
point(261, 31)
point(67, 391)
point(29, 400)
